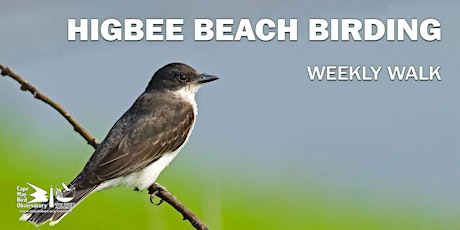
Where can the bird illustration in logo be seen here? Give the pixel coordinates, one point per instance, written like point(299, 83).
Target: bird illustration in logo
point(39, 195)
point(65, 195)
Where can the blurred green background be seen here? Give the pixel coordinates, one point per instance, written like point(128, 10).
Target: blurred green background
point(223, 198)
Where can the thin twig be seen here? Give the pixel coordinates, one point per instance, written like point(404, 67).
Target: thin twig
point(158, 190)
point(26, 86)
point(155, 189)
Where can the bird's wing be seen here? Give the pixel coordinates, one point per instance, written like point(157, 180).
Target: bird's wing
point(145, 139)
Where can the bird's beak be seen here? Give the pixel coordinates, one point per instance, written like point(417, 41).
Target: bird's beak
point(206, 78)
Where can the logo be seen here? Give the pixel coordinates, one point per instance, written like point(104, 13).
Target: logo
point(32, 196)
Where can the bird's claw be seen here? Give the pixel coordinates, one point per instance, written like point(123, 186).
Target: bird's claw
point(152, 197)
point(154, 189)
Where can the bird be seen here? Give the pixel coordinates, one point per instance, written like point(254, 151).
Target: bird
point(146, 138)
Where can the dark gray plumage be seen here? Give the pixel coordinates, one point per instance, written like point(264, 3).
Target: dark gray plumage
point(143, 141)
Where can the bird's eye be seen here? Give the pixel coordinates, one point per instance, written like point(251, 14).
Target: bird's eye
point(182, 78)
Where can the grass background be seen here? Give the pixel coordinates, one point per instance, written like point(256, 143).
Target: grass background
point(223, 197)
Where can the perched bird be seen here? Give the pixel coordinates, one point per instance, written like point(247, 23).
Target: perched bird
point(142, 142)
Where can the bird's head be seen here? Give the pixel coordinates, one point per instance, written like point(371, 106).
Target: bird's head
point(178, 76)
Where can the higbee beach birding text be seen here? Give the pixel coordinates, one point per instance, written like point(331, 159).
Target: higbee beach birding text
point(266, 29)
point(281, 29)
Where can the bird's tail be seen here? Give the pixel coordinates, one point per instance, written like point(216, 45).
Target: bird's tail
point(38, 216)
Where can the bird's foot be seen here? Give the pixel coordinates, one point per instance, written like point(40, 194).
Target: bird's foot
point(154, 189)
point(137, 189)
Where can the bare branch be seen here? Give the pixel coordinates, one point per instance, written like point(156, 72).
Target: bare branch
point(26, 86)
point(158, 190)
point(154, 189)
